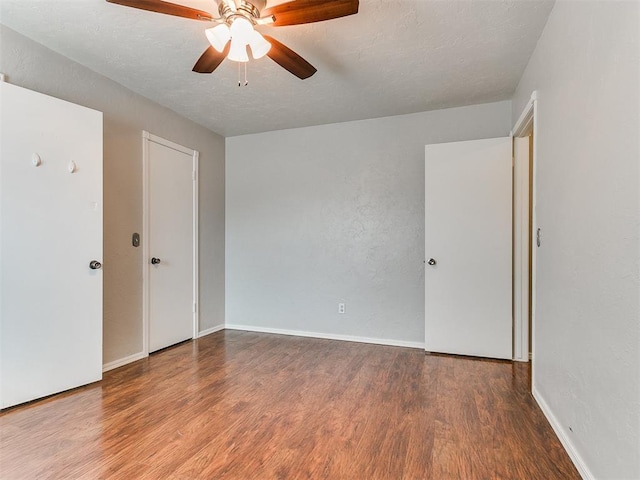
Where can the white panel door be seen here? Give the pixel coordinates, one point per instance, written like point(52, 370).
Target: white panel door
point(51, 229)
point(171, 262)
point(468, 277)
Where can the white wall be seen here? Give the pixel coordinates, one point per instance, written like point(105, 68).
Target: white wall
point(126, 114)
point(335, 213)
point(587, 331)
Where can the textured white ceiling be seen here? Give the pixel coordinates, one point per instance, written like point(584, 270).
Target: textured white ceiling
point(393, 57)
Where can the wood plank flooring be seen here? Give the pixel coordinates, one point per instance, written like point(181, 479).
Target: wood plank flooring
point(239, 405)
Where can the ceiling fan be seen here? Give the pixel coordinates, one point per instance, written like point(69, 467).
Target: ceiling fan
point(235, 28)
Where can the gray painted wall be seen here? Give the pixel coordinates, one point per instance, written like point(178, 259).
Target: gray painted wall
point(335, 213)
point(126, 114)
point(587, 331)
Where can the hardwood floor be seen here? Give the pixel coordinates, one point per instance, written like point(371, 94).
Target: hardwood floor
point(238, 405)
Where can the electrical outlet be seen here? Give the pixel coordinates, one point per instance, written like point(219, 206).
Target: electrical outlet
point(341, 308)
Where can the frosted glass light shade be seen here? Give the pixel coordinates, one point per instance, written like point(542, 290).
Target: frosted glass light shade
point(218, 36)
point(259, 46)
point(241, 30)
point(238, 51)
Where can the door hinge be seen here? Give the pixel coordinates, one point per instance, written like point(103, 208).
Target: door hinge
point(195, 307)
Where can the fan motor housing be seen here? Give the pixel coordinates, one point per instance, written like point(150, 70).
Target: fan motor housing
point(247, 9)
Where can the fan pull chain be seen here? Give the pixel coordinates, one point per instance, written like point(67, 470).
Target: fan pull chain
point(246, 82)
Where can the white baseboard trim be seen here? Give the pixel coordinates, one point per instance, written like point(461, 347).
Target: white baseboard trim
point(327, 336)
point(123, 361)
point(209, 331)
point(563, 437)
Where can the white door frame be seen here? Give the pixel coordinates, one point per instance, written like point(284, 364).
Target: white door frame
point(146, 138)
point(527, 122)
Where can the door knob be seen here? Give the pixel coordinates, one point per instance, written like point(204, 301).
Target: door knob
point(155, 261)
point(95, 265)
point(431, 261)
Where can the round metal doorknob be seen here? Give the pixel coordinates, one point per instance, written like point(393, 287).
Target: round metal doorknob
point(155, 261)
point(431, 261)
point(95, 265)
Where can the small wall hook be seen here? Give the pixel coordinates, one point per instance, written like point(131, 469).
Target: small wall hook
point(36, 160)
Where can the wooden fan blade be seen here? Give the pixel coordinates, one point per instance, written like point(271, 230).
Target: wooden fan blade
point(310, 11)
point(165, 7)
point(210, 59)
point(288, 59)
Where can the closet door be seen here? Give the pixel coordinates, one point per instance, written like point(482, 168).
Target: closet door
point(171, 263)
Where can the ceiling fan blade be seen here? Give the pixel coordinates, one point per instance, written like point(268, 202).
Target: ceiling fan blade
point(310, 11)
point(288, 59)
point(210, 59)
point(165, 7)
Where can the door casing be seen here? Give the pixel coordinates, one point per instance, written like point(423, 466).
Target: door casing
point(526, 124)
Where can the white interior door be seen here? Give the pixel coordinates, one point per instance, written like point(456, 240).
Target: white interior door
point(51, 229)
point(171, 259)
point(468, 197)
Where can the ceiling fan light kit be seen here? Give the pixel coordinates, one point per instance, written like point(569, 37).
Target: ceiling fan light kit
point(240, 34)
point(236, 28)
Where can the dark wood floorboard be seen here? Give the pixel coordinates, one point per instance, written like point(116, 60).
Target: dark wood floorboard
point(239, 405)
